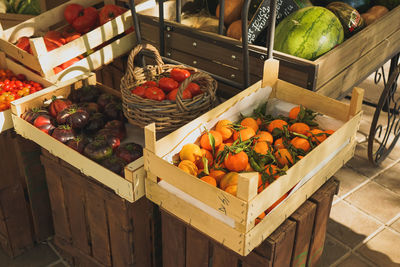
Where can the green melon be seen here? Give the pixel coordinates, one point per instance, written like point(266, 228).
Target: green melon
point(308, 33)
point(351, 20)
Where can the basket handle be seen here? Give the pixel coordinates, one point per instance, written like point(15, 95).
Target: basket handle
point(137, 50)
point(205, 79)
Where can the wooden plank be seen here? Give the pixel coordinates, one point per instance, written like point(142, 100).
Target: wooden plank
point(15, 213)
point(361, 68)
point(304, 218)
point(98, 225)
point(76, 207)
point(135, 173)
point(57, 199)
point(368, 39)
point(323, 199)
point(197, 248)
point(28, 158)
point(173, 241)
point(356, 101)
point(253, 259)
point(223, 257)
point(8, 20)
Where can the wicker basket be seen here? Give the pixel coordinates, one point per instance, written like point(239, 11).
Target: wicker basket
point(168, 115)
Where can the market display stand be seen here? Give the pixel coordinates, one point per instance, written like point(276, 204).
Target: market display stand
point(25, 215)
point(298, 241)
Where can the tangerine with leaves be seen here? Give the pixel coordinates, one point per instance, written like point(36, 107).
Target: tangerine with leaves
point(231, 190)
point(250, 122)
point(236, 162)
point(264, 136)
point(205, 140)
point(300, 128)
point(188, 167)
point(261, 148)
point(283, 157)
point(317, 135)
point(301, 143)
point(190, 152)
point(294, 112)
point(261, 184)
point(276, 124)
point(328, 133)
point(279, 143)
point(272, 170)
point(244, 134)
point(204, 154)
point(223, 128)
point(210, 180)
point(217, 174)
point(276, 203)
point(249, 168)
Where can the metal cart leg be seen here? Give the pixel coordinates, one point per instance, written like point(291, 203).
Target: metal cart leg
point(383, 138)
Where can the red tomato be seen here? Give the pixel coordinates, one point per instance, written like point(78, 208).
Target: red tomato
point(71, 12)
point(50, 45)
point(23, 43)
point(154, 93)
point(168, 84)
point(139, 90)
point(150, 84)
point(186, 94)
point(179, 75)
point(86, 21)
point(194, 88)
point(109, 12)
point(55, 37)
point(70, 34)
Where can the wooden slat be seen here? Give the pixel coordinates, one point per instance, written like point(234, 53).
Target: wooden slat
point(197, 248)
point(304, 218)
point(223, 257)
point(76, 207)
point(323, 199)
point(57, 199)
point(173, 241)
point(253, 259)
point(98, 226)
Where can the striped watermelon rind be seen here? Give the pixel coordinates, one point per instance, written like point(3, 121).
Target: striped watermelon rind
point(308, 33)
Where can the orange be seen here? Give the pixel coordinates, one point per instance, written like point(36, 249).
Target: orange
point(230, 140)
point(261, 185)
point(231, 190)
point(317, 135)
point(279, 143)
point(276, 203)
point(249, 168)
point(294, 112)
point(206, 154)
point(276, 124)
point(229, 179)
point(259, 121)
point(272, 170)
point(261, 148)
point(301, 143)
point(217, 174)
point(264, 136)
point(299, 127)
point(300, 157)
point(210, 180)
point(260, 217)
point(250, 122)
point(328, 133)
point(283, 157)
point(244, 134)
point(223, 128)
point(222, 147)
point(190, 152)
point(205, 140)
point(236, 162)
point(189, 167)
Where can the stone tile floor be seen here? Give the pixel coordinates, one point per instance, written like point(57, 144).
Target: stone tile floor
point(364, 224)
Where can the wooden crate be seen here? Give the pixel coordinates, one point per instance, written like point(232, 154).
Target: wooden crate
point(93, 225)
point(9, 20)
point(130, 187)
point(111, 74)
point(183, 245)
point(228, 219)
point(112, 33)
point(333, 74)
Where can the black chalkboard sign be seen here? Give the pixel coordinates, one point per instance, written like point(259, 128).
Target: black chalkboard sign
point(259, 22)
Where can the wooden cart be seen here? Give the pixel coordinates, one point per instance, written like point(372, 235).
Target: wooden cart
point(333, 74)
point(25, 215)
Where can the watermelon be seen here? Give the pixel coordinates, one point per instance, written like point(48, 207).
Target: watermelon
point(390, 4)
point(351, 20)
point(308, 33)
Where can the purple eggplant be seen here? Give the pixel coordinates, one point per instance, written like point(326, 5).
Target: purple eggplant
point(63, 133)
point(45, 123)
point(90, 107)
point(31, 115)
point(113, 111)
point(104, 99)
point(118, 128)
point(78, 143)
point(98, 150)
point(95, 123)
point(76, 117)
point(129, 152)
point(109, 136)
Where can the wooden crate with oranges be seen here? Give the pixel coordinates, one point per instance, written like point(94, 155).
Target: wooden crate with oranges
point(244, 171)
